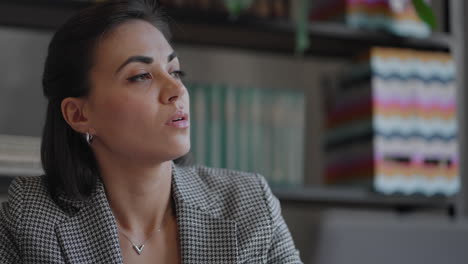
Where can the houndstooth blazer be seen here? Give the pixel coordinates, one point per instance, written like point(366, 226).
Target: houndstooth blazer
point(223, 217)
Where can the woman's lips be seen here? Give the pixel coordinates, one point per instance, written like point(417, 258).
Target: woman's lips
point(179, 120)
point(180, 124)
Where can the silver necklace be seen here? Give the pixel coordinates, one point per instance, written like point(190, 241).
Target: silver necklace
point(139, 249)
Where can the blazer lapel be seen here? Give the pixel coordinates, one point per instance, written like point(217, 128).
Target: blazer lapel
point(90, 236)
point(205, 237)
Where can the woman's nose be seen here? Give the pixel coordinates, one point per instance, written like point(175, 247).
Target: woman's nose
point(172, 90)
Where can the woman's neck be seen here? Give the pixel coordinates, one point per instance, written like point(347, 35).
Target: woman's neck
point(139, 196)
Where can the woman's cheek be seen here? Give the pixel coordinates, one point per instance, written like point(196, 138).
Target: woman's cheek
point(117, 109)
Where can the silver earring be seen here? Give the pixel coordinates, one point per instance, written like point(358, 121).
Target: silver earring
point(89, 138)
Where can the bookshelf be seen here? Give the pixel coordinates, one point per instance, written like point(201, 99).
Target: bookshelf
point(15, 171)
point(327, 40)
point(348, 197)
point(216, 29)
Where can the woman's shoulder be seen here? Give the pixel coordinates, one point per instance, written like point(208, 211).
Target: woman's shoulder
point(246, 199)
point(228, 181)
point(27, 187)
point(221, 175)
point(237, 192)
point(23, 188)
point(28, 197)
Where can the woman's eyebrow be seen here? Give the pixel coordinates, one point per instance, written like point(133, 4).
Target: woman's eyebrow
point(171, 56)
point(142, 59)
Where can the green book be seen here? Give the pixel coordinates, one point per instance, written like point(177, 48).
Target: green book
point(215, 135)
point(231, 127)
point(222, 126)
point(267, 141)
point(208, 124)
point(199, 105)
point(243, 112)
point(255, 126)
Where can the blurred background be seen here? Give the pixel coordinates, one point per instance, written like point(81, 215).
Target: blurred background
point(353, 110)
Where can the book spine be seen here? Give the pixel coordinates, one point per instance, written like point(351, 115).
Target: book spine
point(231, 128)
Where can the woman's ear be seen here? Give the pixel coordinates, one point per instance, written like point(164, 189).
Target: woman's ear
point(75, 114)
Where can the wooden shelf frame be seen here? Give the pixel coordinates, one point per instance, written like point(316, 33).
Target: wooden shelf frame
point(12, 171)
point(459, 48)
point(361, 198)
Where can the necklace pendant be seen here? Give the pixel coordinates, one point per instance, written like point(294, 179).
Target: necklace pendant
point(139, 249)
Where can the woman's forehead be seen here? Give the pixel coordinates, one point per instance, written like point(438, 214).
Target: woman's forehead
point(133, 38)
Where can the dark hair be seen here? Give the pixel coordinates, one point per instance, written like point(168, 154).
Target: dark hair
point(69, 163)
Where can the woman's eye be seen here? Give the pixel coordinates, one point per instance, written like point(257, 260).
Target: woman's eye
point(140, 77)
point(178, 74)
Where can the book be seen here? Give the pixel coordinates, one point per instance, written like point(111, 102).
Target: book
point(250, 129)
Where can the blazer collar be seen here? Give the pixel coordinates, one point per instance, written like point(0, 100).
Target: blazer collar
point(205, 236)
point(189, 189)
point(90, 235)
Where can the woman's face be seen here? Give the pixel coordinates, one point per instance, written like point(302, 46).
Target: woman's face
point(138, 105)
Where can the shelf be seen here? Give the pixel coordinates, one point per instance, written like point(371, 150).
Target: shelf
point(216, 29)
point(43, 15)
point(7, 174)
point(361, 198)
point(13, 172)
point(326, 38)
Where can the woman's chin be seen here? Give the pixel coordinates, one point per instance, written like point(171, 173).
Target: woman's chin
point(178, 150)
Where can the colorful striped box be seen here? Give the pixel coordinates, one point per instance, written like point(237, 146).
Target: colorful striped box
point(392, 124)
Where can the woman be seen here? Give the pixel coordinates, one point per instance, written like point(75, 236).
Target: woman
point(118, 115)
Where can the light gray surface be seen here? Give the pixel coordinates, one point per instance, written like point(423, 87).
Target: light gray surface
point(388, 238)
